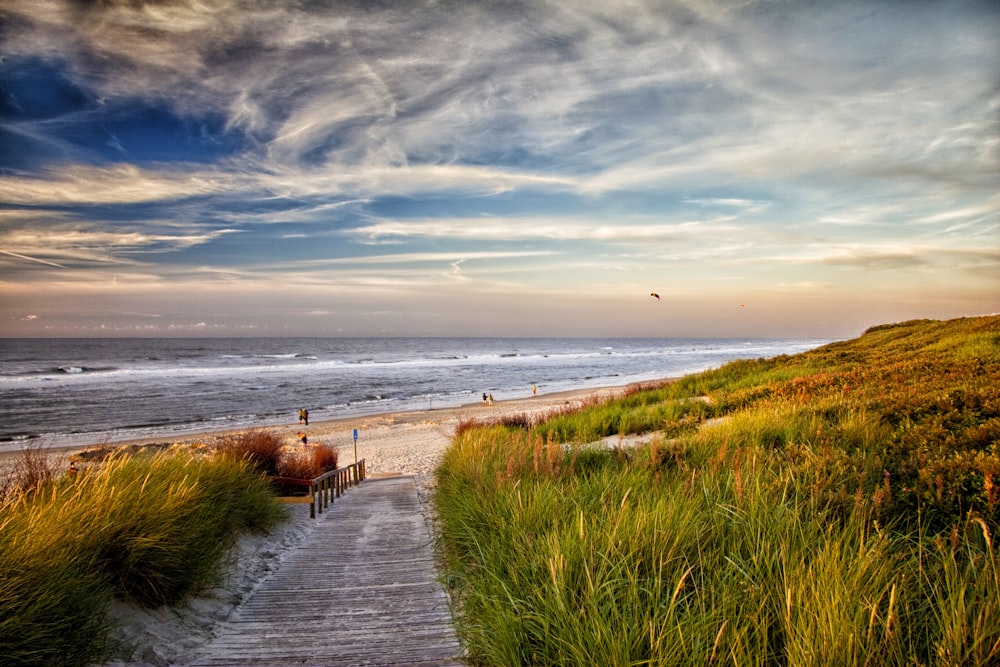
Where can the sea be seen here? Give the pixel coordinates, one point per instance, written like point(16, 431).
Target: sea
point(67, 392)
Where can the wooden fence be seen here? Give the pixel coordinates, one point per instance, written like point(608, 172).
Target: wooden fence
point(328, 486)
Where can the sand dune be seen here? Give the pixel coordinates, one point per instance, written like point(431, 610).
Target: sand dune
point(394, 443)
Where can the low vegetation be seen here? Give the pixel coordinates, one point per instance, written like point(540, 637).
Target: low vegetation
point(261, 448)
point(150, 529)
point(834, 507)
point(266, 452)
point(309, 463)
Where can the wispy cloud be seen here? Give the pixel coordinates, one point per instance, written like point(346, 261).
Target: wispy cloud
point(447, 257)
point(518, 229)
point(118, 184)
point(509, 147)
point(32, 259)
point(74, 245)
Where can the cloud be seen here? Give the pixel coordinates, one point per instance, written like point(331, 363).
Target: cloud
point(452, 257)
point(519, 229)
point(68, 245)
point(32, 259)
point(904, 258)
point(598, 101)
point(521, 147)
point(404, 180)
point(119, 184)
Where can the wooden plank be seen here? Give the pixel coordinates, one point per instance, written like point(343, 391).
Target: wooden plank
point(362, 591)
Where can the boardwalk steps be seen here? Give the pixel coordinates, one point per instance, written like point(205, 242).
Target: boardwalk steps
point(361, 591)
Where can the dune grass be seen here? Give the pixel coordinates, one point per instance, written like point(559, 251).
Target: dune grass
point(309, 463)
point(835, 507)
point(146, 529)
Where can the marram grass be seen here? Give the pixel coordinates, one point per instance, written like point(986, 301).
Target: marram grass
point(803, 520)
point(148, 529)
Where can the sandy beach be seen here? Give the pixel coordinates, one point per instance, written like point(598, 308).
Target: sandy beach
point(393, 443)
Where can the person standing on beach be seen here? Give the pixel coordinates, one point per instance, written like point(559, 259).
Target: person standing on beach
point(484, 398)
point(305, 416)
point(304, 438)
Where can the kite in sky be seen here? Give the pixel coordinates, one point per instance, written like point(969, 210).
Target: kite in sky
point(655, 294)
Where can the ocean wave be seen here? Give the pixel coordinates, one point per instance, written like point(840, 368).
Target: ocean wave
point(306, 365)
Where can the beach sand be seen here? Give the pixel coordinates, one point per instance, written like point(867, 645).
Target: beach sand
point(409, 443)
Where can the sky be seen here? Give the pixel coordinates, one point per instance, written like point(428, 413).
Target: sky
point(266, 168)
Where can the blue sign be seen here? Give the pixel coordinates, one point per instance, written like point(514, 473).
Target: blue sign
point(355, 435)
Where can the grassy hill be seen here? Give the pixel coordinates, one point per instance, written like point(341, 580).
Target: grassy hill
point(833, 507)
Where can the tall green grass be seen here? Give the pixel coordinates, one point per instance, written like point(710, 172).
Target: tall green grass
point(147, 529)
point(635, 562)
point(788, 530)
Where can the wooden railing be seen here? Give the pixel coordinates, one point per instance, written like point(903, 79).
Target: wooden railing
point(328, 486)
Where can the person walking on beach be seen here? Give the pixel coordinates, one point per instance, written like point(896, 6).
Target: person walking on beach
point(304, 438)
point(304, 416)
point(484, 398)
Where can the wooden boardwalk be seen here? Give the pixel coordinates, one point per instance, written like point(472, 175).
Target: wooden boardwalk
point(362, 590)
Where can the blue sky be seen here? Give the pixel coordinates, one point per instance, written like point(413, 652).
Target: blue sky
point(769, 168)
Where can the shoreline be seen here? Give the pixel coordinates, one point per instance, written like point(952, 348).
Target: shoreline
point(374, 429)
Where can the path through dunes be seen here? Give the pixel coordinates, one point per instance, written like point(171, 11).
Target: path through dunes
point(362, 590)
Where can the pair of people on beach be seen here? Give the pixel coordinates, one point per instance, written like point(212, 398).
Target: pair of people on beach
point(304, 416)
point(487, 400)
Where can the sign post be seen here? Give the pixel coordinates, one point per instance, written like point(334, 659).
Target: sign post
point(355, 445)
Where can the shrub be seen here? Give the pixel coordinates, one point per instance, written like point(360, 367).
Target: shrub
point(32, 469)
point(308, 464)
point(260, 447)
point(324, 457)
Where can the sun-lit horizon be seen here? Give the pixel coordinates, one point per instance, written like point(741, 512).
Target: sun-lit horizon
point(493, 169)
